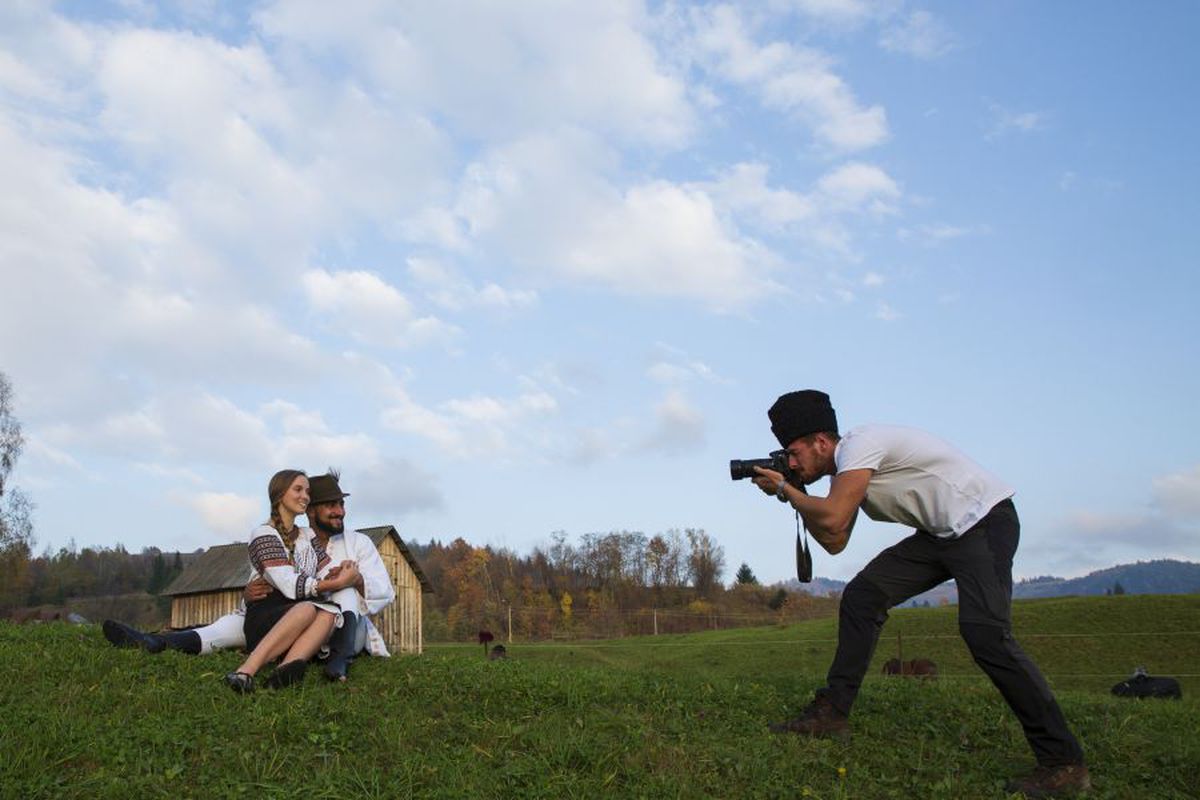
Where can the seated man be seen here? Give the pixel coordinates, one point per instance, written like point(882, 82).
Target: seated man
point(326, 514)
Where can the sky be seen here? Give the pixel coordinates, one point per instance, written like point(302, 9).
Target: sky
point(519, 268)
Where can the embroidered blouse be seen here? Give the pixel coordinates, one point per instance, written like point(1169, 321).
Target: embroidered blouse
point(294, 575)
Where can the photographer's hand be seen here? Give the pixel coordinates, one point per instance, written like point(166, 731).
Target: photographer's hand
point(830, 519)
point(768, 480)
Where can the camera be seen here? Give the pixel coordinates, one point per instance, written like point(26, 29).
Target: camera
point(776, 460)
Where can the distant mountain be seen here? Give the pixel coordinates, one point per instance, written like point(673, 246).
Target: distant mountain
point(1145, 577)
point(1164, 576)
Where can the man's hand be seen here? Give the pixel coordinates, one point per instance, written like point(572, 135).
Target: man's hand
point(347, 574)
point(256, 590)
point(768, 480)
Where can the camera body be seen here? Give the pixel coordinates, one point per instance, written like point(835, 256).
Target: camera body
point(776, 460)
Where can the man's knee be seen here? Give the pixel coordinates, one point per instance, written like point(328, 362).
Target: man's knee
point(986, 642)
point(861, 598)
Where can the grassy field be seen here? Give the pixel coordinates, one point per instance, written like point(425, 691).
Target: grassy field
point(678, 716)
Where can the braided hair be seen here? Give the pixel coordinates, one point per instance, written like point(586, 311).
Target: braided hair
point(280, 482)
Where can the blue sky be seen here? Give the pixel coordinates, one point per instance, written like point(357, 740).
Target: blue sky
point(521, 268)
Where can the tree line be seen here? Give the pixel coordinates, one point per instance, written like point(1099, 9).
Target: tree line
point(55, 579)
point(605, 585)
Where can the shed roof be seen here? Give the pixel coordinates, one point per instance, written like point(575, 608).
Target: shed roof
point(227, 566)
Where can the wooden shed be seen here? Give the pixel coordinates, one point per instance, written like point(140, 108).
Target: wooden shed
point(211, 586)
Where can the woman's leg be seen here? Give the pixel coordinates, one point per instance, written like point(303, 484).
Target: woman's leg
point(281, 637)
point(312, 637)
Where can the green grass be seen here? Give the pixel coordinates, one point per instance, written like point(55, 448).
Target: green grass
point(678, 716)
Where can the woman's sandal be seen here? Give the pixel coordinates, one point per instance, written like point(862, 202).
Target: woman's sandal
point(286, 675)
point(240, 682)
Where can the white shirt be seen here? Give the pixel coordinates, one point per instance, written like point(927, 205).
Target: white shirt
point(919, 480)
point(377, 584)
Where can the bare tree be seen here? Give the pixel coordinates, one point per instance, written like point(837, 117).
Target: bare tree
point(706, 561)
point(16, 510)
point(11, 440)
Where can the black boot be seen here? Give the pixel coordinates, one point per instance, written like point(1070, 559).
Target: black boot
point(341, 646)
point(183, 641)
point(121, 635)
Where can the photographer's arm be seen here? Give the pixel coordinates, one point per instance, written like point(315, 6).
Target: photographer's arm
point(829, 519)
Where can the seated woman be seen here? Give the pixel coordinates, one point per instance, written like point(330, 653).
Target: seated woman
point(290, 622)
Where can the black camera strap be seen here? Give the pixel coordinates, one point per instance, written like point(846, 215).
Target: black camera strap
point(804, 572)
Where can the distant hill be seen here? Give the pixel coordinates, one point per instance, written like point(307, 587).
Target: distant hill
point(1164, 576)
point(1145, 577)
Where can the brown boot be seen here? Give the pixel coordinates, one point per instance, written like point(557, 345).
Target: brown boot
point(1063, 781)
point(819, 718)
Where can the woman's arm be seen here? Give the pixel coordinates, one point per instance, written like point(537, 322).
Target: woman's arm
point(269, 557)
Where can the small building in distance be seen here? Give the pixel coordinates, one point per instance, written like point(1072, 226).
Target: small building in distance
point(211, 586)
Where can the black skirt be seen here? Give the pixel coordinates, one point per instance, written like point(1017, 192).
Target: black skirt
point(261, 616)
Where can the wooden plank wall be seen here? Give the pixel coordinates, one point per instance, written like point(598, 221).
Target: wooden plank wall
point(400, 623)
point(193, 610)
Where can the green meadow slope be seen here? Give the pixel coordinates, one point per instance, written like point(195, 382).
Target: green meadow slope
point(653, 717)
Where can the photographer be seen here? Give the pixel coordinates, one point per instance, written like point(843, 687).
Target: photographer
point(966, 529)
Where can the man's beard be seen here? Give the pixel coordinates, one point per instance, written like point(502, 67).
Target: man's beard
point(328, 528)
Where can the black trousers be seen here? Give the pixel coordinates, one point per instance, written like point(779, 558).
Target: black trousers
point(980, 562)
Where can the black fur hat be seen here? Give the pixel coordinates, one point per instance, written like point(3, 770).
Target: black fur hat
point(797, 414)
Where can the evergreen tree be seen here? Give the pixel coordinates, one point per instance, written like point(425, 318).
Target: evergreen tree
point(745, 577)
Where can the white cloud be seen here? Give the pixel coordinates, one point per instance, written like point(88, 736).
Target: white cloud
point(817, 218)
point(496, 71)
point(452, 291)
point(225, 513)
point(667, 239)
point(672, 366)
point(1178, 495)
point(743, 190)
point(542, 201)
point(789, 79)
point(479, 424)
point(838, 12)
point(679, 427)
point(384, 491)
point(859, 187)
point(937, 233)
point(873, 280)
point(1005, 121)
point(371, 310)
point(919, 34)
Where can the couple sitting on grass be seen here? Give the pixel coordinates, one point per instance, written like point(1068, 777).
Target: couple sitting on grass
point(311, 591)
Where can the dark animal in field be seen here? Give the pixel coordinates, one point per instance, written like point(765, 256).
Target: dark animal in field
point(484, 638)
point(497, 652)
point(1144, 685)
point(918, 667)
